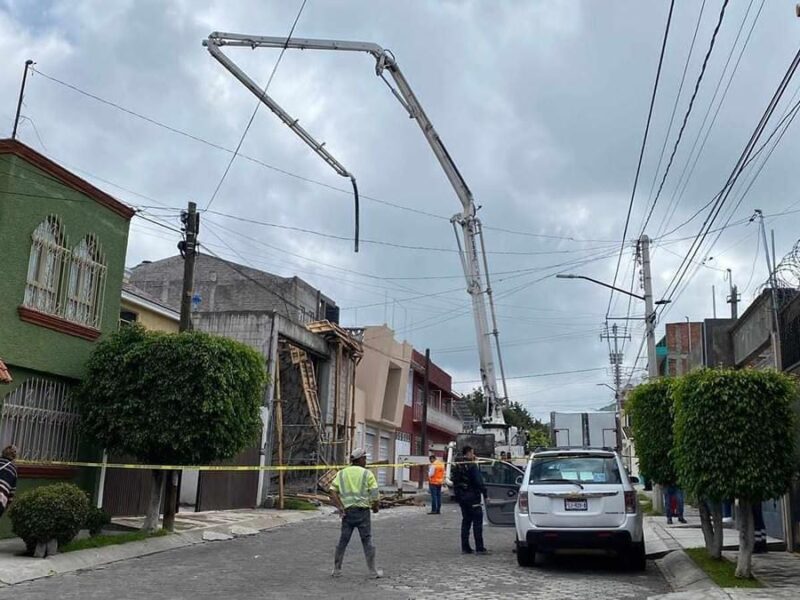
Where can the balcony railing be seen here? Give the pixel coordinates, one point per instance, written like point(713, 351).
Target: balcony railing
point(441, 419)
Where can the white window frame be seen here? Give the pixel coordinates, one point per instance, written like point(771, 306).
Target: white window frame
point(86, 284)
point(63, 283)
point(46, 266)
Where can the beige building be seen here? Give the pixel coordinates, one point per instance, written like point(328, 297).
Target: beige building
point(381, 389)
point(137, 306)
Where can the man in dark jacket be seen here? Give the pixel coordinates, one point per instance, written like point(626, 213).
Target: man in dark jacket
point(469, 489)
point(8, 477)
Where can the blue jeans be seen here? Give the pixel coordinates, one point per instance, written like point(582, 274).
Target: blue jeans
point(670, 493)
point(356, 518)
point(436, 497)
point(471, 518)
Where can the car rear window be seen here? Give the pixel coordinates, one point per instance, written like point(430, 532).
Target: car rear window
point(585, 470)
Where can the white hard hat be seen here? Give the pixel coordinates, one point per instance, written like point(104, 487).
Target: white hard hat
point(358, 453)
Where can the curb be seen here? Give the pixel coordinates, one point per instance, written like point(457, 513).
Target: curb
point(683, 574)
point(21, 569)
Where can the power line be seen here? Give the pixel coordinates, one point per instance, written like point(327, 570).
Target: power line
point(682, 185)
point(688, 111)
point(534, 375)
point(677, 100)
point(393, 244)
point(258, 105)
point(276, 169)
point(641, 151)
point(724, 193)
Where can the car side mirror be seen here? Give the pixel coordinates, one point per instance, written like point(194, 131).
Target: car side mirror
point(518, 480)
point(634, 480)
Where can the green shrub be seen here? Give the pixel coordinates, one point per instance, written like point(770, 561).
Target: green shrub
point(50, 512)
point(96, 519)
point(650, 408)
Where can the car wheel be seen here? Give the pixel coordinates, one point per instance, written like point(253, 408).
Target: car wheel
point(636, 557)
point(526, 556)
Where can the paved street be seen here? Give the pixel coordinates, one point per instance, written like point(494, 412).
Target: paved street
point(419, 553)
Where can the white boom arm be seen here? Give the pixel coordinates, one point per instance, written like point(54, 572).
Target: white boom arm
point(472, 259)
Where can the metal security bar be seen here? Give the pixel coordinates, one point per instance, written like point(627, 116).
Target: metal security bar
point(46, 267)
point(63, 283)
point(41, 421)
point(87, 277)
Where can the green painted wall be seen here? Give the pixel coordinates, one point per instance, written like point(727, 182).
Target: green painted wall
point(87, 478)
point(27, 196)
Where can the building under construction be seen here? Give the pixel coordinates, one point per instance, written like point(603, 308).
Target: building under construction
point(308, 407)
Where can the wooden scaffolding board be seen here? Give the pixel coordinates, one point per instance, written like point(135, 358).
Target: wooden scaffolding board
point(308, 380)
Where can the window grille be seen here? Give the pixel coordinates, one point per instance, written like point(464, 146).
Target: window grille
point(87, 274)
point(46, 267)
point(41, 421)
point(66, 284)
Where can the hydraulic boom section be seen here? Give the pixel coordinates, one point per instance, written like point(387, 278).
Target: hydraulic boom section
point(470, 241)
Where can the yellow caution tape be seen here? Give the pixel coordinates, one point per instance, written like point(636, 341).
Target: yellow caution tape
point(55, 463)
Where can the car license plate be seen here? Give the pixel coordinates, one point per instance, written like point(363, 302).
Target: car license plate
point(576, 504)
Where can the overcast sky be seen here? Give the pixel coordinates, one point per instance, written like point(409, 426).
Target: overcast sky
point(541, 104)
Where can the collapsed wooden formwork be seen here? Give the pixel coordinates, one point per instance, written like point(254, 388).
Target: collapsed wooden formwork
point(304, 434)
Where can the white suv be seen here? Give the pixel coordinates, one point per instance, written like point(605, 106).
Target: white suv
point(578, 499)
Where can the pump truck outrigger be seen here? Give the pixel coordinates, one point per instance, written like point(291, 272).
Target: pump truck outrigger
point(472, 260)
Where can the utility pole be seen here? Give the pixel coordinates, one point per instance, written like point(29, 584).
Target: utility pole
point(773, 284)
point(733, 299)
point(28, 64)
point(714, 301)
point(425, 394)
point(615, 358)
point(649, 312)
point(188, 249)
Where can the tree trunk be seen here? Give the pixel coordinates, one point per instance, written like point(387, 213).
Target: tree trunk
point(171, 493)
point(706, 525)
point(744, 563)
point(154, 504)
point(718, 532)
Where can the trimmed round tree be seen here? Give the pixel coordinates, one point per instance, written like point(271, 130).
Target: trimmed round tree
point(734, 439)
point(186, 399)
point(649, 406)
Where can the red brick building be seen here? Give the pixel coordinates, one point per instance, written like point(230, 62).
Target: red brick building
point(443, 422)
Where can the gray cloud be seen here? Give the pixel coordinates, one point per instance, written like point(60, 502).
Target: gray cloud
point(542, 104)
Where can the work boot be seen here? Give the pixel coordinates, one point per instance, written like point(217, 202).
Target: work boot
point(336, 572)
point(681, 520)
point(374, 572)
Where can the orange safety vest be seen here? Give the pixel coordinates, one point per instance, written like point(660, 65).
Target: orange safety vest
point(438, 474)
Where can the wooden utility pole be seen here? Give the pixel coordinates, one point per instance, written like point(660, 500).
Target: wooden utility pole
point(188, 249)
point(425, 394)
point(279, 430)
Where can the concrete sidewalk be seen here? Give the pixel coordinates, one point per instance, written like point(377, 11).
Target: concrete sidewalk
point(191, 528)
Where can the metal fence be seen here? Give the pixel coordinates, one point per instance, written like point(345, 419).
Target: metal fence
point(41, 421)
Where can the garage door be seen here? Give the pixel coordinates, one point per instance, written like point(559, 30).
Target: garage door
point(402, 447)
point(383, 454)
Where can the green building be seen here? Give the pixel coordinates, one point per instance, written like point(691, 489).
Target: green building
point(62, 254)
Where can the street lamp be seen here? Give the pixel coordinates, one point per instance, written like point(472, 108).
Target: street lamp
point(609, 286)
point(650, 313)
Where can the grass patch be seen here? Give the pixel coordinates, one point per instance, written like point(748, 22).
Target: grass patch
point(298, 504)
point(720, 571)
point(103, 540)
point(646, 503)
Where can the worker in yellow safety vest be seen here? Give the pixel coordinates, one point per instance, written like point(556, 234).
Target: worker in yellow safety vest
point(354, 491)
point(435, 482)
